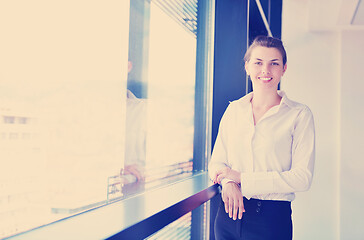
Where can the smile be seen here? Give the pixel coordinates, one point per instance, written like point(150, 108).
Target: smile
point(265, 78)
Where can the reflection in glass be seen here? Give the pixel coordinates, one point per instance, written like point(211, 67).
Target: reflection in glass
point(160, 94)
point(74, 134)
point(61, 108)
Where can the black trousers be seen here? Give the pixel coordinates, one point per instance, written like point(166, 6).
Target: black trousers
point(262, 220)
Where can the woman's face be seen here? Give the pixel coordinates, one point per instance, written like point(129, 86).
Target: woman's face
point(265, 67)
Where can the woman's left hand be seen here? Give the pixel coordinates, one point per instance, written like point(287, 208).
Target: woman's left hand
point(227, 173)
point(233, 200)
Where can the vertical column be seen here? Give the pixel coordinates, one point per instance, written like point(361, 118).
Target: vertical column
point(204, 67)
point(203, 98)
point(237, 23)
point(231, 26)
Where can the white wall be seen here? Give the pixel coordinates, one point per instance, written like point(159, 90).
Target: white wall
point(352, 132)
point(313, 78)
point(325, 72)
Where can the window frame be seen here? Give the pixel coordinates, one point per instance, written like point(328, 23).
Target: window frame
point(106, 222)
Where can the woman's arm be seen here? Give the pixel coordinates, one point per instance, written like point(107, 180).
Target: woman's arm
point(219, 157)
point(231, 193)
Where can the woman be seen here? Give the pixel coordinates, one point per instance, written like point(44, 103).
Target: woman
point(264, 152)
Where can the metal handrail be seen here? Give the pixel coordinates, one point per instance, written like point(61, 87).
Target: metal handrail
point(161, 219)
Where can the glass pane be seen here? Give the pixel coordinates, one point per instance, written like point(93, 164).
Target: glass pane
point(160, 94)
point(172, 59)
point(93, 107)
point(62, 107)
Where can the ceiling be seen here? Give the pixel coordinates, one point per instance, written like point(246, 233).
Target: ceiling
point(358, 18)
point(329, 15)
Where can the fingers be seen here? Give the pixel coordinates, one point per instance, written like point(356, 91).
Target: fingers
point(226, 173)
point(226, 206)
point(235, 208)
point(233, 201)
point(231, 207)
point(220, 178)
point(137, 173)
point(238, 209)
point(241, 209)
point(217, 174)
point(134, 170)
point(226, 202)
point(221, 174)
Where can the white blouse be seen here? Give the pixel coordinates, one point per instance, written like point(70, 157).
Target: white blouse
point(275, 157)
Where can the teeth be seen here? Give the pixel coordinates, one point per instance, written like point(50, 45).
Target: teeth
point(265, 79)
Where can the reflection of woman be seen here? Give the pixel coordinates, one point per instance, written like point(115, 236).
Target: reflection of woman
point(264, 152)
point(135, 146)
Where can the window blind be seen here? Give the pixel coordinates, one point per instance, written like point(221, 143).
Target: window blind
point(179, 229)
point(182, 11)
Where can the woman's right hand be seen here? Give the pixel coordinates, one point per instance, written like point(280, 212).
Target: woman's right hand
point(135, 170)
point(227, 173)
point(233, 200)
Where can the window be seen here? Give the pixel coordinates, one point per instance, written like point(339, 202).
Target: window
point(98, 105)
point(160, 92)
